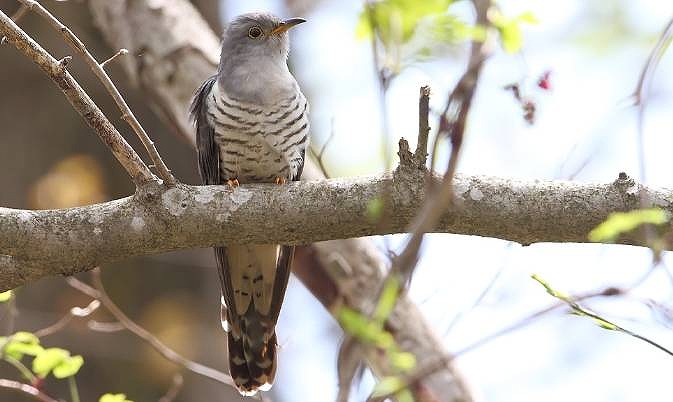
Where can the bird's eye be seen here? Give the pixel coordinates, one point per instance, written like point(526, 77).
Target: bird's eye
point(255, 32)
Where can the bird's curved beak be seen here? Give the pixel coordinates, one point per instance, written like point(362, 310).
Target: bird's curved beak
point(286, 25)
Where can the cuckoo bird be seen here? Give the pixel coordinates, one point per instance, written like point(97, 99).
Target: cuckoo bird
point(252, 127)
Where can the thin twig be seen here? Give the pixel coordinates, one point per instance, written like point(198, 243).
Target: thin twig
point(127, 114)
point(79, 99)
point(72, 386)
point(26, 389)
point(75, 312)
point(607, 292)
point(120, 52)
point(174, 390)
point(25, 372)
point(107, 327)
point(456, 319)
point(421, 153)
point(99, 291)
point(318, 156)
point(641, 95)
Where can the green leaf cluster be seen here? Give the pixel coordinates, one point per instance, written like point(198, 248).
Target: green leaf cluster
point(396, 21)
point(20, 344)
point(372, 331)
point(509, 28)
point(412, 30)
point(56, 361)
point(622, 222)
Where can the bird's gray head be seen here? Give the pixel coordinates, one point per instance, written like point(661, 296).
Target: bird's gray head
point(255, 46)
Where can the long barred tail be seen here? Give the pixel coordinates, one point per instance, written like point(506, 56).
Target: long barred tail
point(254, 278)
point(252, 364)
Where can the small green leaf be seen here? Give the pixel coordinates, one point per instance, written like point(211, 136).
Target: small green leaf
point(5, 296)
point(403, 361)
point(387, 386)
point(622, 222)
point(17, 350)
point(364, 329)
point(375, 209)
point(49, 359)
point(405, 395)
point(114, 398)
point(396, 21)
point(384, 308)
point(528, 17)
point(552, 291)
point(605, 324)
point(20, 344)
point(26, 337)
point(510, 29)
point(68, 367)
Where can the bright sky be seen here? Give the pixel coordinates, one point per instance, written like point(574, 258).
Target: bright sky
point(585, 116)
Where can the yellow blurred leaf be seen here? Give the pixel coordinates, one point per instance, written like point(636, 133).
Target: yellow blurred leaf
point(74, 181)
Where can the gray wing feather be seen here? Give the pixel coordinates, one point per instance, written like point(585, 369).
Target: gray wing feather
point(208, 154)
point(209, 169)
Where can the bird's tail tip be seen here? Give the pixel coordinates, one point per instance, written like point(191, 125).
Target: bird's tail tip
point(252, 367)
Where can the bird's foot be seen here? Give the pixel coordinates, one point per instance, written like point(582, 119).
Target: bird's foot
point(281, 180)
point(233, 183)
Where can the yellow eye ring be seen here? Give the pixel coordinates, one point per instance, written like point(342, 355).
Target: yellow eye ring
point(255, 32)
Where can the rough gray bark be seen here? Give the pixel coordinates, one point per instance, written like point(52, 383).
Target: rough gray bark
point(159, 219)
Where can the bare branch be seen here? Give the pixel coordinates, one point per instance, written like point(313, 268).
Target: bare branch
point(75, 312)
point(26, 389)
point(176, 386)
point(319, 155)
point(127, 114)
point(607, 292)
point(421, 153)
point(148, 337)
point(78, 98)
point(120, 52)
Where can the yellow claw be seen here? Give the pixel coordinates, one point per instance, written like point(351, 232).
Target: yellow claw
point(281, 180)
point(233, 183)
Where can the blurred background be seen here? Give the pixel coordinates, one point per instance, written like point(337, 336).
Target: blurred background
point(467, 287)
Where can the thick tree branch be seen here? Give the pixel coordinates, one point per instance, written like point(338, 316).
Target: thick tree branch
point(56, 70)
point(157, 220)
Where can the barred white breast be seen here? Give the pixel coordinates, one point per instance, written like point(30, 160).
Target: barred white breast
point(259, 143)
